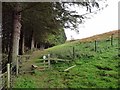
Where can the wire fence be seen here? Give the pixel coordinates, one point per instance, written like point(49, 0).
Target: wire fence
point(13, 69)
point(10, 71)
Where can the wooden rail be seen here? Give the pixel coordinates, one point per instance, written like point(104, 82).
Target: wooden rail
point(47, 61)
point(55, 59)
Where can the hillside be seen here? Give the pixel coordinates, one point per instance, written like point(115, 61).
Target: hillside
point(96, 65)
point(99, 36)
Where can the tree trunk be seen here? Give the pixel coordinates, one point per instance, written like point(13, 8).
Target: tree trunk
point(16, 33)
point(21, 48)
point(32, 41)
point(36, 45)
point(23, 42)
point(32, 44)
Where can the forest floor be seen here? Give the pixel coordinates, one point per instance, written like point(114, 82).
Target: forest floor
point(94, 69)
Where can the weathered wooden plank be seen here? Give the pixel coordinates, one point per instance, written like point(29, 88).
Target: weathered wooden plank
point(58, 59)
point(69, 68)
point(54, 59)
point(34, 66)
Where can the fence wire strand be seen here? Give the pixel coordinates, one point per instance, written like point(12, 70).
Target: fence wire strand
point(5, 67)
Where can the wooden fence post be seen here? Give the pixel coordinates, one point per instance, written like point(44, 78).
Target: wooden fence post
point(73, 52)
point(95, 45)
point(49, 60)
point(112, 40)
point(44, 57)
point(17, 66)
point(8, 75)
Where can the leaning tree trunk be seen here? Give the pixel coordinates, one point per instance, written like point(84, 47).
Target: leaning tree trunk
point(16, 33)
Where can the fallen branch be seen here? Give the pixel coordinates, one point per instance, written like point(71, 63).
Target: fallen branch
point(69, 68)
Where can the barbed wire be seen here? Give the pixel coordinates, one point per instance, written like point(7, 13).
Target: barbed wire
point(4, 68)
point(12, 73)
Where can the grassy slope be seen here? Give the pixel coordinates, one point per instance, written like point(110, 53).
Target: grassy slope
point(93, 69)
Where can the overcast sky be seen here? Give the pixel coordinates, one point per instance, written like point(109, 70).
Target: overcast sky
point(104, 21)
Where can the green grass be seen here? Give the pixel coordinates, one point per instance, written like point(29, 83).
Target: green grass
point(93, 69)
